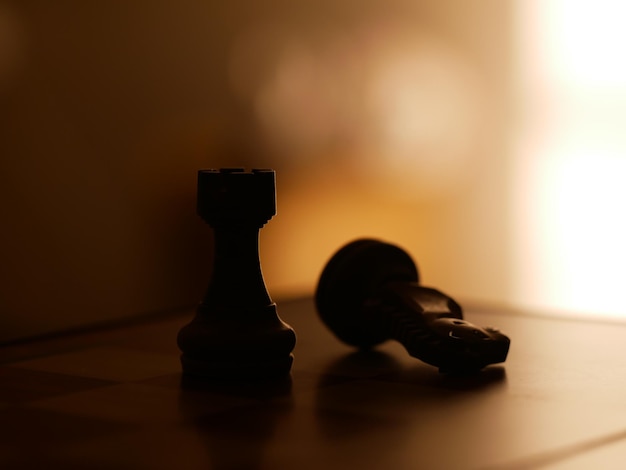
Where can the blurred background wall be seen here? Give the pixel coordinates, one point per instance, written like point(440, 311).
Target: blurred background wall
point(442, 126)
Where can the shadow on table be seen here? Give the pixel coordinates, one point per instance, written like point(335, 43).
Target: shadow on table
point(395, 400)
point(236, 421)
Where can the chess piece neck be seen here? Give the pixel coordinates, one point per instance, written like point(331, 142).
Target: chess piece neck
point(236, 265)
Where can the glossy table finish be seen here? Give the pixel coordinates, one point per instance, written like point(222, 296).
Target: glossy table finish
point(115, 398)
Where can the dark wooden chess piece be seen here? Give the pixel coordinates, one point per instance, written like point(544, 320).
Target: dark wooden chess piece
point(236, 332)
point(369, 292)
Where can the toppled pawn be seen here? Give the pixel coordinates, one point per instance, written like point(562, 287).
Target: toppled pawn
point(236, 333)
point(369, 292)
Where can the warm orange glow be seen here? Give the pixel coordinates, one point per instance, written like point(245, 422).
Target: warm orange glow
point(383, 124)
point(406, 102)
point(388, 129)
point(322, 211)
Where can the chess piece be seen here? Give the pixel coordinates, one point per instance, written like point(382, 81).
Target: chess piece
point(369, 292)
point(236, 332)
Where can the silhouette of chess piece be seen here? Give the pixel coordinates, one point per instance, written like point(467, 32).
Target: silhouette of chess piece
point(236, 332)
point(369, 292)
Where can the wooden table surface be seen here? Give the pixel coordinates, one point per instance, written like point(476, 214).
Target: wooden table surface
point(115, 398)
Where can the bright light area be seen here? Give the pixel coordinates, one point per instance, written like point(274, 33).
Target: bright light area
point(570, 168)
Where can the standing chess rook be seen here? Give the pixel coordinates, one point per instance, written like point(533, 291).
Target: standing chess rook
point(236, 333)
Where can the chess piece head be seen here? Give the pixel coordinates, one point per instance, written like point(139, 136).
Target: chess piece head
point(233, 196)
point(349, 284)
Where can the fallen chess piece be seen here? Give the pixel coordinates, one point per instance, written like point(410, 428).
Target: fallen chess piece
point(369, 292)
point(236, 333)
